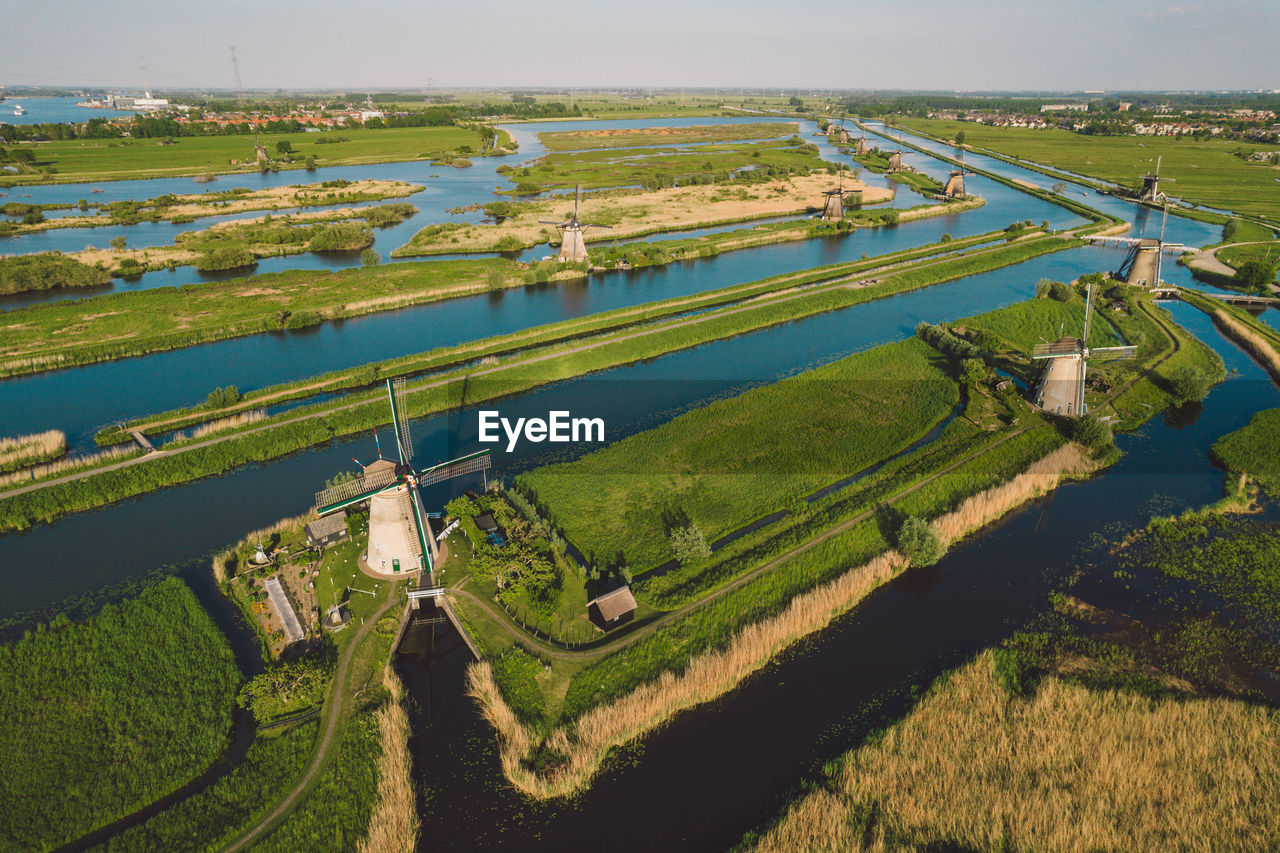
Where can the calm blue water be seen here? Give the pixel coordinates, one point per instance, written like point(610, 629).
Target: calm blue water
point(51, 111)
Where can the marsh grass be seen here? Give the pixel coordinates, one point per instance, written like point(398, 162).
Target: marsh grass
point(68, 465)
point(25, 450)
point(1067, 768)
point(393, 826)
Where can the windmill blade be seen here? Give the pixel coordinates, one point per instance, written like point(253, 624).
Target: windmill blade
point(585, 225)
point(553, 222)
point(1088, 312)
point(1113, 353)
point(420, 526)
point(1057, 349)
point(455, 468)
point(354, 491)
point(577, 191)
point(396, 393)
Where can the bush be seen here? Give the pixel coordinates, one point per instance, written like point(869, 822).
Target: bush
point(1091, 431)
point(370, 257)
point(225, 258)
point(919, 542)
point(1190, 382)
point(1256, 274)
point(689, 545)
point(23, 273)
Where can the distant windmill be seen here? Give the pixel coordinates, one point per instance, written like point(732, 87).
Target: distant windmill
point(895, 158)
point(400, 539)
point(838, 133)
point(1141, 265)
point(833, 209)
point(860, 146)
point(1151, 186)
point(955, 183)
point(1061, 389)
point(572, 247)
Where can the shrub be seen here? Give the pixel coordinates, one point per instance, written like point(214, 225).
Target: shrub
point(1091, 431)
point(919, 542)
point(1190, 382)
point(689, 545)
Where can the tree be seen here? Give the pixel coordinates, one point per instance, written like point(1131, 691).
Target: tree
point(795, 101)
point(689, 545)
point(1091, 431)
point(1256, 274)
point(973, 371)
point(1189, 382)
point(1059, 188)
point(919, 542)
point(284, 146)
point(118, 242)
point(959, 137)
point(370, 257)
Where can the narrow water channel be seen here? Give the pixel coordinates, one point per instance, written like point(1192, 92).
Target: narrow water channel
point(727, 767)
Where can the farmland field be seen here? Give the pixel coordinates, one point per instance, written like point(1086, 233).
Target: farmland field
point(737, 459)
point(1202, 172)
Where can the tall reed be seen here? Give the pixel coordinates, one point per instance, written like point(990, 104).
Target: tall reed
point(27, 449)
point(393, 826)
point(1255, 343)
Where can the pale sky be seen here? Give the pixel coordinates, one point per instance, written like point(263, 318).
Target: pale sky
point(857, 44)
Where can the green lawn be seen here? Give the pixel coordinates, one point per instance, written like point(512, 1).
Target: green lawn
point(738, 459)
point(578, 140)
point(118, 159)
point(1204, 172)
point(661, 166)
point(1026, 324)
point(102, 717)
point(1254, 449)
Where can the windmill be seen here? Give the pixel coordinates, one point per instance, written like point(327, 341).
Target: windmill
point(572, 247)
point(895, 158)
point(1141, 265)
point(1061, 389)
point(1151, 186)
point(955, 183)
point(838, 133)
point(860, 146)
point(833, 209)
point(400, 539)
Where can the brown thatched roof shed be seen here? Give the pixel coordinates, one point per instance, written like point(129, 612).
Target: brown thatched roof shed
point(613, 608)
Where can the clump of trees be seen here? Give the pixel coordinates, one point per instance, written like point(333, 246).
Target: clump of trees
point(919, 542)
point(23, 273)
point(689, 545)
point(1091, 431)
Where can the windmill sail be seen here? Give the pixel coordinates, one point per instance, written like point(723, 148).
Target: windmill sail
point(421, 528)
point(396, 393)
point(456, 468)
point(354, 491)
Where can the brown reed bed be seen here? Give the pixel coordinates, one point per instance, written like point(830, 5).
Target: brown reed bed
point(393, 826)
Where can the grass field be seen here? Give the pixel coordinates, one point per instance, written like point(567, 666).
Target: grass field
point(206, 821)
point(638, 137)
point(100, 718)
point(664, 165)
point(71, 332)
point(1026, 324)
point(86, 160)
point(1254, 449)
point(1202, 172)
point(723, 465)
point(1066, 769)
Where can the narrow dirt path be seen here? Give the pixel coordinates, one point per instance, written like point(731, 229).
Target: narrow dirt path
point(330, 728)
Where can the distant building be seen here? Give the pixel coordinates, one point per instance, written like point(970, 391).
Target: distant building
point(327, 530)
point(612, 609)
point(1062, 108)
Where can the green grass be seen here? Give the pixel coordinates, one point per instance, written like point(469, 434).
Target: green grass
point(71, 332)
point(210, 819)
point(663, 166)
point(1254, 449)
point(126, 159)
point(335, 814)
point(578, 140)
point(1026, 324)
point(1237, 256)
point(100, 718)
point(738, 459)
point(1205, 172)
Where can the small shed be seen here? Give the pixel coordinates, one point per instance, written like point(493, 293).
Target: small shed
point(327, 530)
point(486, 523)
point(612, 609)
